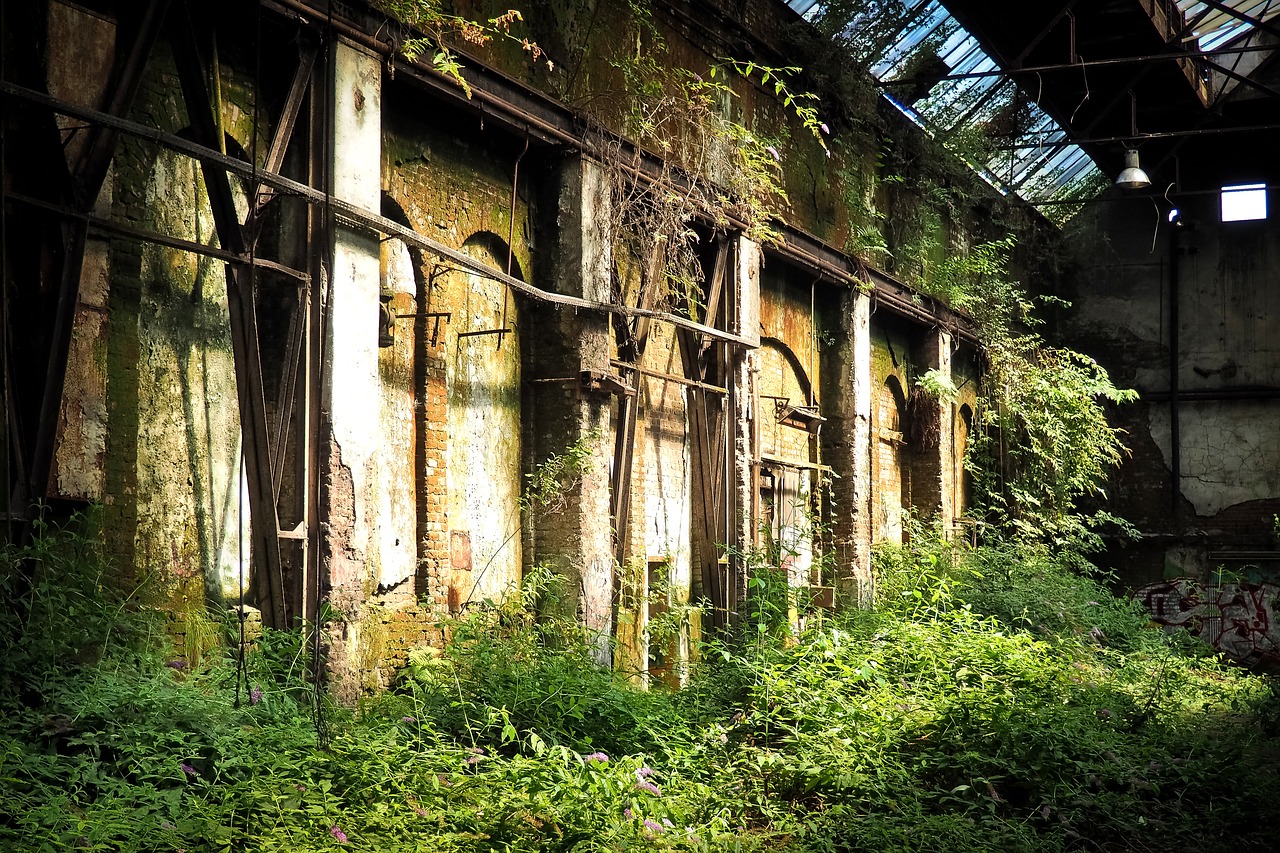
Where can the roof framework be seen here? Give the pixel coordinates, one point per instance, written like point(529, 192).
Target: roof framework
point(1054, 93)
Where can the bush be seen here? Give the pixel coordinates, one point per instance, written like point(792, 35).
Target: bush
point(992, 700)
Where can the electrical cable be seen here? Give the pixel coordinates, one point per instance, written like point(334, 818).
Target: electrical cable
point(1156, 205)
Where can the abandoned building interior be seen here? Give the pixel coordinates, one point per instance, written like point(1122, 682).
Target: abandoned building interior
point(333, 332)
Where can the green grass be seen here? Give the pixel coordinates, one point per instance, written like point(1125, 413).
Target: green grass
point(991, 701)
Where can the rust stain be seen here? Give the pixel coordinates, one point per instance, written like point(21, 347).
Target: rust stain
point(460, 550)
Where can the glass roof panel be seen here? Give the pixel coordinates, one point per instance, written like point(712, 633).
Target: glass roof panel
point(1216, 27)
point(1002, 134)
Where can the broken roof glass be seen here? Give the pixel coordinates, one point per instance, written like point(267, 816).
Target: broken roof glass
point(1217, 24)
point(1000, 132)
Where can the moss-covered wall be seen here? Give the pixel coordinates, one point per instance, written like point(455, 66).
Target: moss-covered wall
point(175, 509)
point(462, 417)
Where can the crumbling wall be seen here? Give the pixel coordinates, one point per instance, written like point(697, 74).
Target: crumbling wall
point(1224, 442)
point(426, 439)
point(171, 476)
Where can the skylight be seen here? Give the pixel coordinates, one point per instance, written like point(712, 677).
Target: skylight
point(1033, 160)
point(1216, 26)
point(1243, 202)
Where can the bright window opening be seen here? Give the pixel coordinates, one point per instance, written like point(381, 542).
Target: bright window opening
point(1244, 201)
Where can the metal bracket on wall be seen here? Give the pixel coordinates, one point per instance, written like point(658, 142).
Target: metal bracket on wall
point(595, 380)
point(437, 316)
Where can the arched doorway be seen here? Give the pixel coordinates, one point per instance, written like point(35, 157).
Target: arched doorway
point(483, 453)
point(890, 463)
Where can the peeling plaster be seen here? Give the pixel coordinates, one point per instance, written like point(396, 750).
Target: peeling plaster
point(1230, 452)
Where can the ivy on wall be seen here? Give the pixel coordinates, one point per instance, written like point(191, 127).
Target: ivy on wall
point(911, 204)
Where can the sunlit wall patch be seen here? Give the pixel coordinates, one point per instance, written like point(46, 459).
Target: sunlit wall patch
point(1243, 202)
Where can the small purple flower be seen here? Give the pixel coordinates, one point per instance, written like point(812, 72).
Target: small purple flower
point(338, 834)
point(188, 769)
point(644, 772)
point(628, 814)
point(596, 756)
point(475, 759)
point(653, 825)
point(650, 787)
point(255, 695)
point(774, 152)
point(1094, 604)
point(177, 664)
point(667, 823)
point(302, 789)
point(825, 129)
point(409, 720)
point(476, 750)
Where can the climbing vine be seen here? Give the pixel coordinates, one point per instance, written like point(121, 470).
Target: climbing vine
point(424, 28)
point(1046, 448)
point(714, 170)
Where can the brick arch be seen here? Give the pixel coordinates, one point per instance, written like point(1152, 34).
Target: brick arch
point(481, 381)
point(963, 477)
point(892, 479)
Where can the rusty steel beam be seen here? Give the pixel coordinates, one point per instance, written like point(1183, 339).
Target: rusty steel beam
point(251, 395)
point(706, 527)
point(800, 248)
point(279, 146)
point(1256, 23)
point(632, 352)
point(112, 228)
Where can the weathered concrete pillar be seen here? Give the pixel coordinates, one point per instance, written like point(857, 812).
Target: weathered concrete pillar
point(575, 539)
point(744, 373)
point(847, 448)
point(351, 397)
point(932, 466)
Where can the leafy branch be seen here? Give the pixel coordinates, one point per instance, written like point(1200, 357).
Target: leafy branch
point(428, 30)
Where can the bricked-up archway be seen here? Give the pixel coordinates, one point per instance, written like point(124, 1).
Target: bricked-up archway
point(403, 334)
point(482, 372)
point(788, 454)
point(963, 491)
point(891, 486)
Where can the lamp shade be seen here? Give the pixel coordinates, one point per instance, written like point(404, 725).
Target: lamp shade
point(1132, 178)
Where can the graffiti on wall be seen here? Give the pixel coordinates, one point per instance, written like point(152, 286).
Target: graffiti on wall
point(1239, 619)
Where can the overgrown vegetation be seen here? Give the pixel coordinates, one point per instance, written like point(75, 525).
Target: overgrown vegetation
point(992, 700)
point(1046, 449)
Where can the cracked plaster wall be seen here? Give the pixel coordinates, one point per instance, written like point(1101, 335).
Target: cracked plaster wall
point(1228, 306)
point(1230, 452)
point(150, 420)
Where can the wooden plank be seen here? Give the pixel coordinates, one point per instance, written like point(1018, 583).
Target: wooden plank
point(632, 350)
